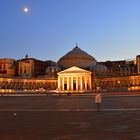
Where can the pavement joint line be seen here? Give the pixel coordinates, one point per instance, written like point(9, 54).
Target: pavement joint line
point(68, 110)
point(72, 95)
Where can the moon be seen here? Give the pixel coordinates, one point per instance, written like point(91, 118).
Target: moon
point(26, 9)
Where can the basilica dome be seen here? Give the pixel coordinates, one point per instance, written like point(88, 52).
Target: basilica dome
point(77, 57)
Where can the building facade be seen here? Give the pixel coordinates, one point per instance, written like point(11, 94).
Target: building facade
point(30, 67)
point(74, 78)
point(138, 63)
point(121, 68)
point(7, 67)
point(75, 71)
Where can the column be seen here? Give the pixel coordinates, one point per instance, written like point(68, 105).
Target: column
point(68, 83)
point(86, 83)
point(81, 83)
point(62, 83)
point(19, 69)
point(58, 82)
point(76, 83)
point(90, 82)
point(71, 83)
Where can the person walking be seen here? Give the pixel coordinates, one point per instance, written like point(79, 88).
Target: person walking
point(98, 99)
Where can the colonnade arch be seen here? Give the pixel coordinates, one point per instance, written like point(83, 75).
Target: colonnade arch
point(72, 80)
point(29, 84)
point(122, 83)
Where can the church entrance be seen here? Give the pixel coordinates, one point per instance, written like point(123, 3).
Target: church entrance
point(74, 84)
point(65, 86)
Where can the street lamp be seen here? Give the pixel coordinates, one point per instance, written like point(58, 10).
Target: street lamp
point(118, 83)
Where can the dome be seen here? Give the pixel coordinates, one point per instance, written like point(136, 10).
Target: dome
point(77, 57)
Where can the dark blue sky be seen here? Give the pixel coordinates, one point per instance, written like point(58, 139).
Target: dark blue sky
point(106, 29)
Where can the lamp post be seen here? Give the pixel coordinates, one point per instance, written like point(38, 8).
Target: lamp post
point(119, 84)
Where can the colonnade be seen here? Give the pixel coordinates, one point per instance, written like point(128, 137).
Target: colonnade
point(74, 82)
point(124, 83)
point(29, 84)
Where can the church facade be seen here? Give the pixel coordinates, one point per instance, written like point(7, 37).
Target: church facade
point(74, 78)
point(76, 71)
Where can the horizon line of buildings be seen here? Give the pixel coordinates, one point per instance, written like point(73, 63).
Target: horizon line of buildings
point(30, 73)
point(31, 67)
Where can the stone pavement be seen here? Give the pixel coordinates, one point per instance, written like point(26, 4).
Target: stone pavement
point(69, 118)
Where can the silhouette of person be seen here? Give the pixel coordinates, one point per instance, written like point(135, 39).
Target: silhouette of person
point(98, 99)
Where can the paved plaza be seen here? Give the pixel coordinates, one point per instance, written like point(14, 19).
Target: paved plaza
point(50, 117)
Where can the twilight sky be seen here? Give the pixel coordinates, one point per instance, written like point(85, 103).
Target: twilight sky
point(106, 29)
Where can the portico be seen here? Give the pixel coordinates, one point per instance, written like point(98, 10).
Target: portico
point(74, 78)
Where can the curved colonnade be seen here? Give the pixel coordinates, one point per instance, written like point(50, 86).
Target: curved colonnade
point(29, 84)
point(129, 83)
point(126, 83)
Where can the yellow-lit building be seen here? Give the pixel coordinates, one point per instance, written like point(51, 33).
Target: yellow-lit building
point(7, 67)
point(76, 71)
point(74, 78)
point(30, 67)
point(138, 63)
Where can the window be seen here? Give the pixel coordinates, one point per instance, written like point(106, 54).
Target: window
point(20, 69)
point(4, 67)
point(24, 69)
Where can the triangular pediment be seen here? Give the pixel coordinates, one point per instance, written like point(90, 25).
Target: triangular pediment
point(74, 69)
